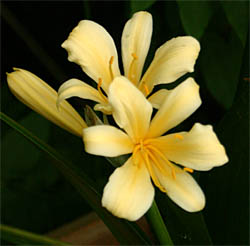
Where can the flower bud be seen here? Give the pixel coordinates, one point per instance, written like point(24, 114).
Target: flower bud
point(39, 96)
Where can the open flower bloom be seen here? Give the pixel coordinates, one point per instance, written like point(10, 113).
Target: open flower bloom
point(39, 96)
point(90, 46)
point(129, 191)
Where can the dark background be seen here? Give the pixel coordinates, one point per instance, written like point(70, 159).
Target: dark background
point(35, 197)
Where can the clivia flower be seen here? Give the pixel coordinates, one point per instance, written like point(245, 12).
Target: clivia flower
point(90, 46)
point(39, 96)
point(129, 192)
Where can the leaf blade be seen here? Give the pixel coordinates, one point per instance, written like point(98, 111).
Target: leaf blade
point(126, 232)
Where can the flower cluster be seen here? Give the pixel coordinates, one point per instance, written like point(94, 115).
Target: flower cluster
point(155, 158)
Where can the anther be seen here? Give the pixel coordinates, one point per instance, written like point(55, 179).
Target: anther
point(131, 73)
point(99, 89)
point(145, 88)
point(134, 56)
point(111, 60)
point(187, 169)
point(179, 136)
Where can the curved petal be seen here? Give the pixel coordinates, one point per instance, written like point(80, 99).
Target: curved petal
point(131, 110)
point(182, 189)
point(77, 88)
point(158, 98)
point(136, 38)
point(199, 149)
point(129, 192)
point(106, 141)
point(39, 96)
point(172, 60)
point(179, 105)
point(104, 108)
point(90, 46)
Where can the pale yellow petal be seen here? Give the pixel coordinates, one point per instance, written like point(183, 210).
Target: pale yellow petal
point(158, 98)
point(90, 46)
point(129, 192)
point(131, 110)
point(77, 88)
point(172, 60)
point(199, 149)
point(136, 38)
point(179, 105)
point(106, 141)
point(40, 97)
point(182, 188)
point(104, 108)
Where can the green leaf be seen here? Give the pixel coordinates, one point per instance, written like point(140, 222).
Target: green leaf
point(221, 57)
point(155, 220)
point(237, 13)
point(185, 228)
point(125, 232)
point(228, 186)
point(195, 16)
point(21, 237)
point(139, 5)
point(19, 163)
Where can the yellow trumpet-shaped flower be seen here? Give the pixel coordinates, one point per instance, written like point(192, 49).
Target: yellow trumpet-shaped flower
point(129, 192)
point(90, 46)
point(39, 96)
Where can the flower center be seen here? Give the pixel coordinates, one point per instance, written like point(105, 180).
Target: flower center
point(145, 152)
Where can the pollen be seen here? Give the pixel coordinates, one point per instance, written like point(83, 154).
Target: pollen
point(111, 61)
point(100, 90)
point(131, 73)
point(145, 88)
point(134, 56)
point(179, 136)
point(187, 169)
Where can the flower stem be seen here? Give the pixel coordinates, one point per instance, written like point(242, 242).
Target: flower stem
point(156, 222)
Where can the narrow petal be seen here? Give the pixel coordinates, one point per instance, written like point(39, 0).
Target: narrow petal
point(90, 46)
point(182, 188)
point(158, 98)
point(39, 96)
point(172, 60)
point(131, 110)
point(106, 141)
point(136, 38)
point(179, 105)
point(199, 149)
point(129, 192)
point(77, 88)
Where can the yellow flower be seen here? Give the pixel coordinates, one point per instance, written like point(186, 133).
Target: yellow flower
point(90, 46)
point(39, 96)
point(129, 192)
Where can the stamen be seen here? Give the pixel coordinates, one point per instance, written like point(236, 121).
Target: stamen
point(131, 73)
point(164, 158)
point(152, 174)
point(145, 88)
point(179, 136)
point(162, 170)
point(100, 91)
point(187, 169)
point(110, 67)
point(134, 154)
point(141, 144)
